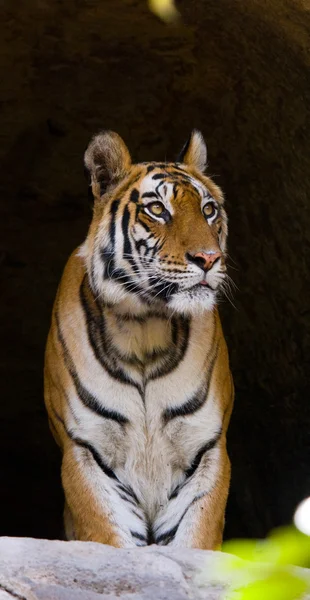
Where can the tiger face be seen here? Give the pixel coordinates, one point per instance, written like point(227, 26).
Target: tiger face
point(158, 234)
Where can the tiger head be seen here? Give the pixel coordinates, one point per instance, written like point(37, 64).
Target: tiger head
point(158, 233)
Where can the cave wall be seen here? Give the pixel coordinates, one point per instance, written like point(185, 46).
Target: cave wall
point(239, 71)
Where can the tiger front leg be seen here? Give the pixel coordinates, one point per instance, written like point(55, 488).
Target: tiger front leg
point(99, 508)
point(195, 514)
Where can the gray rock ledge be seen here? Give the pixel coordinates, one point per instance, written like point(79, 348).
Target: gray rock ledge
point(32, 569)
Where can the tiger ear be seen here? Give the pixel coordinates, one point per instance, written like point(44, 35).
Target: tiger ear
point(106, 160)
point(194, 152)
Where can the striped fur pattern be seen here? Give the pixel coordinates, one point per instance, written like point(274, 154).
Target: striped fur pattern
point(137, 381)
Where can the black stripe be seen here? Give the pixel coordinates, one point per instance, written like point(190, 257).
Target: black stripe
point(103, 466)
point(119, 275)
point(174, 331)
point(184, 150)
point(134, 512)
point(58, 417)
point(150, 535)
point(158, 246)
point(188, 408)
point(130, 500)
point(165, 538)
point(163, 290)
point(110, 271)
point(180, 328)
point(149, 195)
point(157, 189)
point(160, 176)
point(113, 212)
point(175, 190)
point(96, 456)
point(139, 245)
point(198, 458)
point(168, 535)
point(144, 241)
point(127, 245)
point(82, 443)
point(106, 254)
point(162, 165)
point(142, 222)
point(91, 402)
point(195, 464)
point(197, 401)
point(134, 196)
point(128, 490)
point(97, 337)
point(184, 180)
point(177, 167)
point(85, 396)
point(139, 536)
point(139, 318)
point(176, 491)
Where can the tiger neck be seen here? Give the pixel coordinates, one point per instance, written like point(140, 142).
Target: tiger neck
point(137, 338)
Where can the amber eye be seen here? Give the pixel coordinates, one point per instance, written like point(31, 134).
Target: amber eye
point(209, 210)
point(156, 208)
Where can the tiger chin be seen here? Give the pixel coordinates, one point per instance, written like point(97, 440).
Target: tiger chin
point(138, 387)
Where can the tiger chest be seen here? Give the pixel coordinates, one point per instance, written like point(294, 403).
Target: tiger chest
point(156, 403)
point(164, 431)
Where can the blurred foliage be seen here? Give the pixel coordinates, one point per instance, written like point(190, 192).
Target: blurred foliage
point(267, 574)
point(164, 9)
point(283, 546)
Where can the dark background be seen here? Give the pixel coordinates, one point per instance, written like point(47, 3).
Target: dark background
point(239, 71)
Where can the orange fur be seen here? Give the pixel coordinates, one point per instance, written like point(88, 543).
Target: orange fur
point(70, 362)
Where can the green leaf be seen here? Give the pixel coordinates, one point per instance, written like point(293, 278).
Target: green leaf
point(291, 547)
point(280, 585)
point(245, 549)
point(284, 546)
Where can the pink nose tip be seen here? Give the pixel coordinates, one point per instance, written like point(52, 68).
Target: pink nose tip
point(206, 260)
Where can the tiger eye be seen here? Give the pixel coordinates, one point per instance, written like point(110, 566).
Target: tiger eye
point(157, 208)
point(209, 210)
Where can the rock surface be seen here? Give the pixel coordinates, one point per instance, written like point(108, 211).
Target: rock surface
point(52, 570)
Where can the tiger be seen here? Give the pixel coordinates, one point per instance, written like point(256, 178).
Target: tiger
point(137, 382)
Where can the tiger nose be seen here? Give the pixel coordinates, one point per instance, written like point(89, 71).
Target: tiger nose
point(205, 260)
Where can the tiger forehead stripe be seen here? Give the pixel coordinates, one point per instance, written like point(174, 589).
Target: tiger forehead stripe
point(177, 177)
point(158, 189)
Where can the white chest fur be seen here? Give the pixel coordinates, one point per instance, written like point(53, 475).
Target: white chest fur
point(142, 394)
